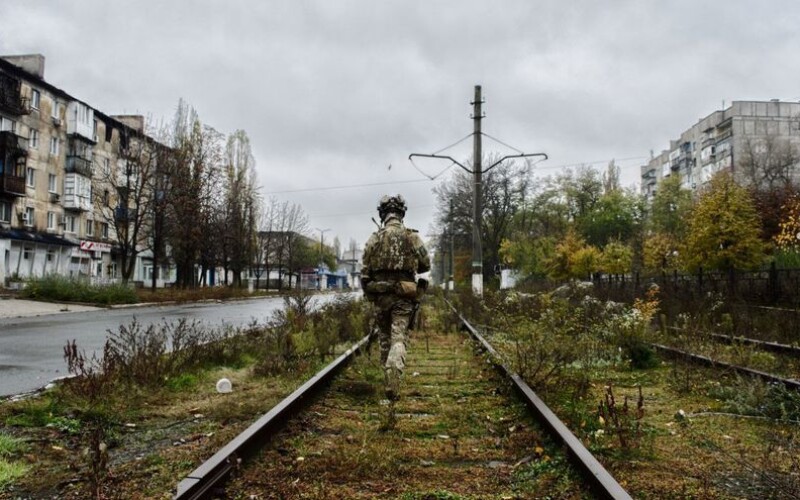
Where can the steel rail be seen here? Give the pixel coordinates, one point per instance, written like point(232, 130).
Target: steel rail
point(705, 360)
point(601, 481)
point(211, 474)
point(761, 344)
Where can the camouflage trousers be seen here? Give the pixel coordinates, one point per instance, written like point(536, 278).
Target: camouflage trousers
point(393, 315)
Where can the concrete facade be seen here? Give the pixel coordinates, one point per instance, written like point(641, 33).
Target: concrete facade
point(57, 154)
point(723, 140)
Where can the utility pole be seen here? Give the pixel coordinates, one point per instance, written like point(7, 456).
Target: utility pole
point(477, 171)
point(451, 278)
point(477, 249)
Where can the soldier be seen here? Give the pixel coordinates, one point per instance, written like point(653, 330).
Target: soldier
point(392, 257)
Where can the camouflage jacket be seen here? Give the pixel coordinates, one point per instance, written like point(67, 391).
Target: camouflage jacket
point(394, 253)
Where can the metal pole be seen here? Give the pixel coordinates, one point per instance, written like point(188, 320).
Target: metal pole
point(451, 283)
point(477, 250)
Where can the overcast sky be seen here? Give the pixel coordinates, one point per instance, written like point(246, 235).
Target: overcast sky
point(333, 92)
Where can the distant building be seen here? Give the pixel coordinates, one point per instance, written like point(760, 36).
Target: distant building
point(746, 135)
point(57, 158)
point(350, 265)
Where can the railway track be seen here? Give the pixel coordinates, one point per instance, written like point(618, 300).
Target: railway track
point(456, 430)
point(774, 347)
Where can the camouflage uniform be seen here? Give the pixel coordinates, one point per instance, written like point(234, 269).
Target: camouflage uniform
point(392, 257)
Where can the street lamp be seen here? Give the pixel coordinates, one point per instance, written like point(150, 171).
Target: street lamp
point(319, 271)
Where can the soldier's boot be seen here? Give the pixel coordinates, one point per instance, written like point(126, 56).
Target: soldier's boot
point(392, 383)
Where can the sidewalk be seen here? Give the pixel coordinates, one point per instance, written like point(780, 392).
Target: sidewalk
point(18, 308)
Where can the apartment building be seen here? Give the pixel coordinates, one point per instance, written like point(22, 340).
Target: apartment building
point(57, 156)
point(745, 135)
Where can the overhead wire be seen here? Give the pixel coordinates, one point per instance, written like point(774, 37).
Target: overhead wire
point(429, 178)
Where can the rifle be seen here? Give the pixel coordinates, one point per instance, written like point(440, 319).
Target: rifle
point(413, 320)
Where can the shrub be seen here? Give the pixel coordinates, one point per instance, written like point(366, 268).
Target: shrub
point(63, 289)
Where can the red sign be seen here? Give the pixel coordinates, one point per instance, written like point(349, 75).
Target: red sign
point(95, 246)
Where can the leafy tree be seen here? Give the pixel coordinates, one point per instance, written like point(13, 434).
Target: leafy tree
point(572, 258)
point(724, 228)
point(617, 258)
point(670, 207)
point(585, 262)
point(528, 255)
point(788, 237)
point(615, 216)
point(661, 252)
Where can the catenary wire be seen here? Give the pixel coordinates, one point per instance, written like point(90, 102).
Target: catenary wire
point(428, 178)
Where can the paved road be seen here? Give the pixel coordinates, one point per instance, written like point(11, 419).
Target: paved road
point(31, 349)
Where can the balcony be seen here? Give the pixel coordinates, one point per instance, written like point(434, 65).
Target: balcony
point(11, 143)
point(11, 100)
point(13, 185)
point(78, 165)
point(13, 151)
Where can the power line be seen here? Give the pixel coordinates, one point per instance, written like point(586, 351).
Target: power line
point(331, 188)
point(352, 186)
point(371, 212)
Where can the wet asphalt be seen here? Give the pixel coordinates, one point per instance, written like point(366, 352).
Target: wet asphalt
point(32, 348)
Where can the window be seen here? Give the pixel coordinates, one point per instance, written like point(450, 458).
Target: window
point(69, 223)
point(33, 139)
point(54, 111)
point(27, 253)
point(94, 131)
point(28, 219)
point(51, 220)
point(89, 228)
point(104, 229)
point(7, 125)
point(51, 255)
point(5, 211)
point(54, 143)
point(35, 98)
point(30, 177)
point(106, 198)
point(51, 183)
point(106, 167)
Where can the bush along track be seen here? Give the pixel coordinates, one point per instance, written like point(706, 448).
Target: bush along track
point(663, 427)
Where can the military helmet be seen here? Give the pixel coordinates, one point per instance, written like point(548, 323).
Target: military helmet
point(394, 204)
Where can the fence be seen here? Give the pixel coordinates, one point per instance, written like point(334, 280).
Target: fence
point(770, 286)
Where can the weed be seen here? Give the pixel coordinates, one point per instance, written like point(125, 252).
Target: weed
point(10, 445)
point(181, 382)
point(623, 422)
point(93, 384)
point(10, 471)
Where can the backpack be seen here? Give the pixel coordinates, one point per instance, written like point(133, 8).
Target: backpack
point(393, 250)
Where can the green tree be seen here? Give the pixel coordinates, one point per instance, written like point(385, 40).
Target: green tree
point(615, 216)
point(572, 258)
point(723, 230)
point(671, 205)
point(528, 255)
point(617, 258)
point(661, 252)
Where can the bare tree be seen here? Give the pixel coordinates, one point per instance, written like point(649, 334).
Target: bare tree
point(241, 198)
point(768, 163)
point(124, 192)
point(193, 195)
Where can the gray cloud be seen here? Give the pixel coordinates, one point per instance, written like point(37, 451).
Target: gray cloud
point(331, 93)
